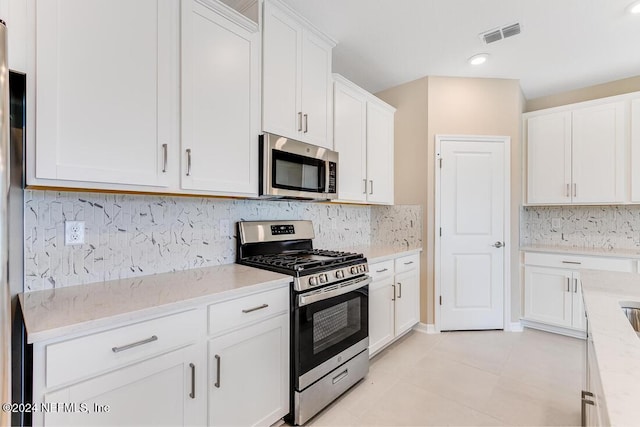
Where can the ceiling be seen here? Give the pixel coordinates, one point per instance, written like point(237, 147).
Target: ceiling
point(564, 44)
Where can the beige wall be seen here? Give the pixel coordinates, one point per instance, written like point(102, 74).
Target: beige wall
point(617, 87)
point(460, 106)
point(410, 161)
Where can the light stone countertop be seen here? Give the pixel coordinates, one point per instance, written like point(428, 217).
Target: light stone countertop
point(617, 347)
point(54, 313)
point(613, 253)
point(378, 253)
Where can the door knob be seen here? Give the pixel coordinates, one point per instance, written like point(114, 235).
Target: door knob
point(498, 244)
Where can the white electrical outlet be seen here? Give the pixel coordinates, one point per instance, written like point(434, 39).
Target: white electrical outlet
point(224, 228)
point(73, 233)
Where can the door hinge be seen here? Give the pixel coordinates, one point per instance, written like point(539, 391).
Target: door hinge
point(440, 299)
point(440, 160)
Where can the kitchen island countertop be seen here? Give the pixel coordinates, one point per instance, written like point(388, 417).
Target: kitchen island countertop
point(616, 345)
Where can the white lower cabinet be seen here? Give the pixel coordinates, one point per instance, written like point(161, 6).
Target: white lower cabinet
point(394, 300)
point(164, 390)
point(553, 292)
point(248, 374)
point(160, 371)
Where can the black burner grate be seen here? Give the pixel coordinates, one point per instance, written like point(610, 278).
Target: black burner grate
point(302, 260)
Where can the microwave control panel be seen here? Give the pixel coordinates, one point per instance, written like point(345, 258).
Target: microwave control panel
point(332, 177)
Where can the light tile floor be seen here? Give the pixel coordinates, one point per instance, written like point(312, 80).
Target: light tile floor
point(530, 378)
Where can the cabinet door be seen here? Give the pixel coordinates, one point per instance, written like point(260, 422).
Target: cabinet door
point(105, 90)
point(599, 154)
point(158, 391)
point(549, 158)
point(635, 150)
point(220, 100)
point(407, 310)
point(249, 374)
point(381, 313)
point(281, 62)
point(316, 93)
point(548, 295)
point(350, 127)
point(577, 311)
point(379, 154)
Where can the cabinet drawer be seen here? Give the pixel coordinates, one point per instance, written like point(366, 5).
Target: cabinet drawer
point(407, 263)
point(380, 270)
point(235, 313)
point(92, 354)
point(576, 262)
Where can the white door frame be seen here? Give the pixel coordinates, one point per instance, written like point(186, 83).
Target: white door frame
point(506, 140)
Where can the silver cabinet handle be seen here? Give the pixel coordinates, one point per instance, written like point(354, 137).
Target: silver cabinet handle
point(575, 286)
point(568, 190)
point(575, 190)
point(498, 244)
point(188, 161)
point(572, 262)
point(370, 186)
point(365, 186)
point(299, 121)
point(217, 383)
point(135, 344)
point(260, 307)
point(583, 409)
point(394, 293)
point(568, 284)
point(340, 376)
point(164, 158)
point(408, 263)
point(399, 290)
point(306, 123)
point(382, 271)
point(193, 381)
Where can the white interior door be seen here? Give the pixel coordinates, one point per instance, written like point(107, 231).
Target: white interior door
point(473, 182)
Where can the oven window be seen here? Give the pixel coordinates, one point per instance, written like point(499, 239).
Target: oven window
point(325, 328)
point(334, 324)
point(295, 172)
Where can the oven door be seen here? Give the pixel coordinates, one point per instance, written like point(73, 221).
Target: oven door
point(329, 325)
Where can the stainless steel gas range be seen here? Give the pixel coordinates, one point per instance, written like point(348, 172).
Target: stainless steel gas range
point(329, 310)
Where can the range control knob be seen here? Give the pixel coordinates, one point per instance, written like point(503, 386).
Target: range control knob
point(323, 278)
point(361, 268)
point(354, 270)
point(313, 281)
point(339, 274)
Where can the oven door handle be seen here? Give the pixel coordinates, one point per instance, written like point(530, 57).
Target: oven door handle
point(322, 295)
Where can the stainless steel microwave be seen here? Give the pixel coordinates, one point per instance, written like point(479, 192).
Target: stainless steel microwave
point(294, 169)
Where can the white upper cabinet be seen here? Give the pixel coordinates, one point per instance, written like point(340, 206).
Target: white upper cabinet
point(363, 137)
point(350, 140)
point(635, 150)
point(103, 73)
point(599, 154)
point(549, 158)
point(380, 153)
point(297, 95)
point(220, 99)
point(577, 155)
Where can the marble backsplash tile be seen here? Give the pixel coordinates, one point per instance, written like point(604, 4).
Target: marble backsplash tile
point(604, 227)
point(132, 235)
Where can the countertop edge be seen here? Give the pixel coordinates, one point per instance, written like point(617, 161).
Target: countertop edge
point(613, 253)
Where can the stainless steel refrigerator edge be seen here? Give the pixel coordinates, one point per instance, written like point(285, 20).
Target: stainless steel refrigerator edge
point(5, 298)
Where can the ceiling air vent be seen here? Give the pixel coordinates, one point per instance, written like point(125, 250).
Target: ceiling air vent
point(498, 34)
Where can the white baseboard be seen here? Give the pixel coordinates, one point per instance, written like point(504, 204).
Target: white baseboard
point(554, 329)
point(515, 327)
point(426, 328)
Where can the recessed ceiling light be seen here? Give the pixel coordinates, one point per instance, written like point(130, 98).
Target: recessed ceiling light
point(478, 59)
point(635, 8)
